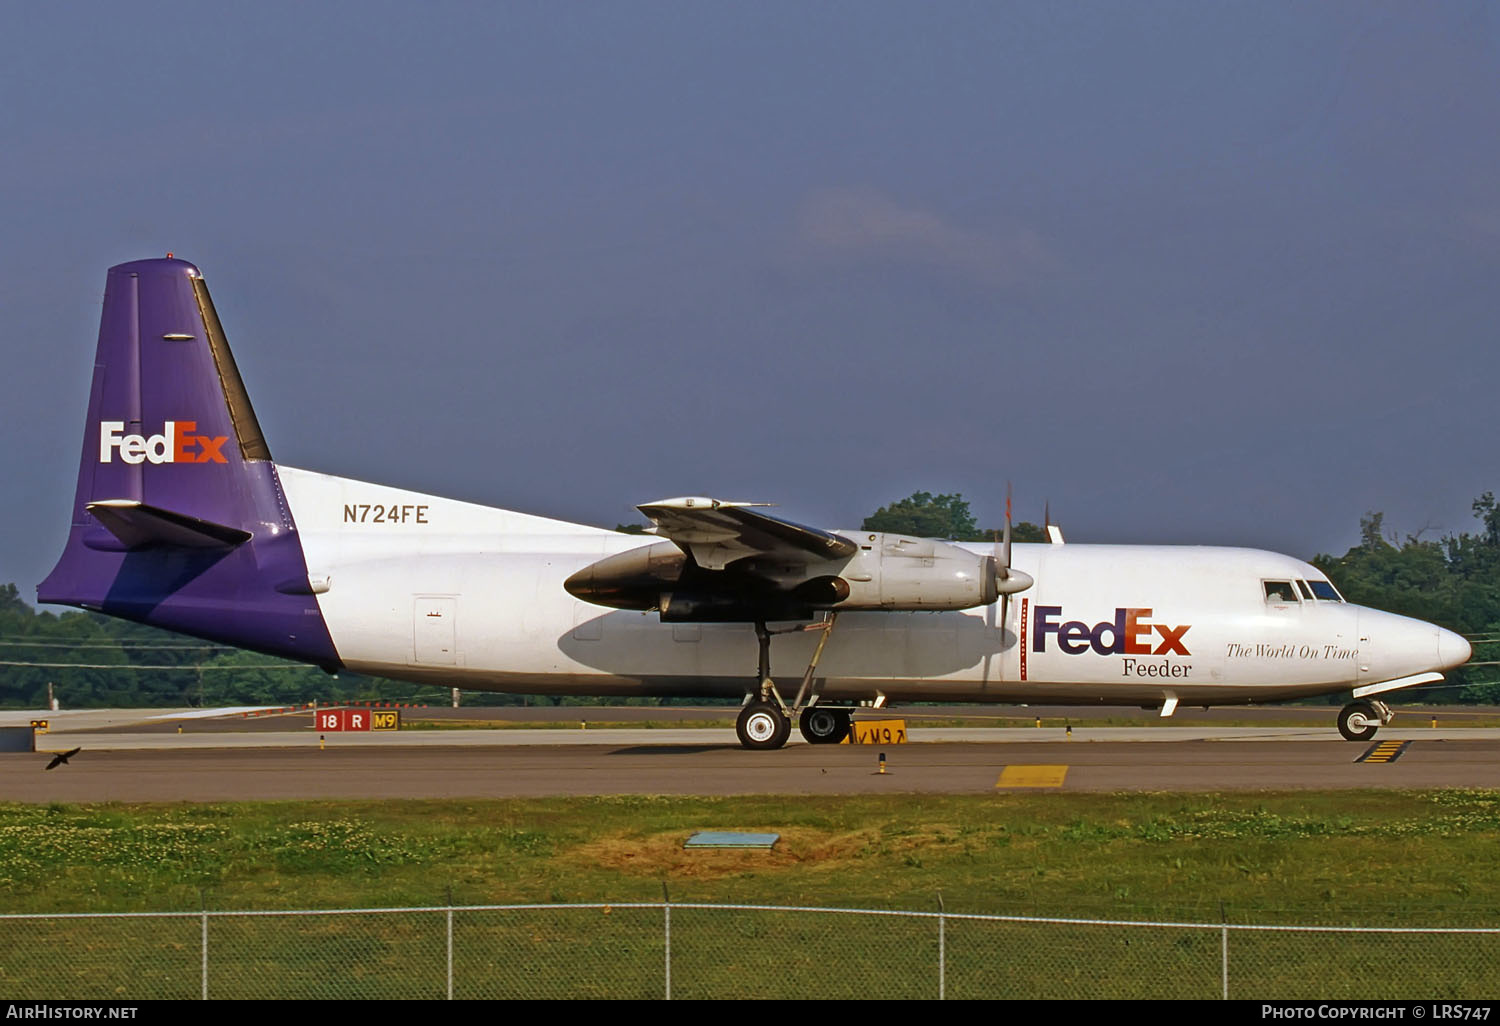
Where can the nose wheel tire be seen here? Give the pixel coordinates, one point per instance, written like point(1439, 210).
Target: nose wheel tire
point(824, 726)
point(1358, 721)
point(762, 726)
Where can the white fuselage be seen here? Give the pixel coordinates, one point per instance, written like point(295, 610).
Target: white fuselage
point(444, 592)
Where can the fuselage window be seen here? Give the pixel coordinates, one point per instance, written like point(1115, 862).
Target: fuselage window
point(1302, 587)
point(1326, 592)
point(1280, 591)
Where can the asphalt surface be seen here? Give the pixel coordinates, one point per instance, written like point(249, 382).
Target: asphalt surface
point(726, 769)
point(264, 719)
point(135, 755)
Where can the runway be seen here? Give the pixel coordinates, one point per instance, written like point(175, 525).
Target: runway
point(645, 765)
point(139, 755)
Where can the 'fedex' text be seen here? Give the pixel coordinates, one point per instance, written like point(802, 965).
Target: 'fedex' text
point(176, 444)
point(1129, 633)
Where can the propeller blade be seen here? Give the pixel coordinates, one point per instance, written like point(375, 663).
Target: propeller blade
point(1006, 561)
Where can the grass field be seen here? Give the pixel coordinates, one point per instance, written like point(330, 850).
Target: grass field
point(1421, 858)
point(1346, 858)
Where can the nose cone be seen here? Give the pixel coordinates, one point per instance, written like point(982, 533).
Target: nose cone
point(1395, 646)
point(1453, 650)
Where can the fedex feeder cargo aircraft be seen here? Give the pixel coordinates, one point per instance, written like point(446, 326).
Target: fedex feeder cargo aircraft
point(182, 520)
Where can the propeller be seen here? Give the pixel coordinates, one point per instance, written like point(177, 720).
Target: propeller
point(1006, 561)
point(1004, 580)
point(1008, 580)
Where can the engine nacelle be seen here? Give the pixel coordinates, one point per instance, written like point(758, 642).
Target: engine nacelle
point(887, 572)
point(631, 580)
point(696, 606)
point(897, 572)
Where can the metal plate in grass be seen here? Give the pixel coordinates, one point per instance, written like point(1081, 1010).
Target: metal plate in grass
point(730, 839)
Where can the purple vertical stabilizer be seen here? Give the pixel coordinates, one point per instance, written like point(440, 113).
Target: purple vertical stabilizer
point(179, 520)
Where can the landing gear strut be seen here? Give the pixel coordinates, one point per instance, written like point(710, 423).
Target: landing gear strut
point(765, 720)
point(1358, 721)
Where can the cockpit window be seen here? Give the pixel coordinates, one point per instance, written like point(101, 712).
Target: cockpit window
point(1280, 591)
point(1302, 587)
point(1326, 592)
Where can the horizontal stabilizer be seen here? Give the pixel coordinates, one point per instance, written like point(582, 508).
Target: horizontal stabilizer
point(135, 525)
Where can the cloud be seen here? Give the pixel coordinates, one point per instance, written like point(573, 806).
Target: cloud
point(863, 224)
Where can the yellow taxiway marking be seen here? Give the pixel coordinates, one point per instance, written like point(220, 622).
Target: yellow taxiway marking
point(1032, 776)
point(1384, 751)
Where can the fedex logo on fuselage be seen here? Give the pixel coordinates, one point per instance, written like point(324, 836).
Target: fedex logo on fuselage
point(1129, 633)
point(177, 443)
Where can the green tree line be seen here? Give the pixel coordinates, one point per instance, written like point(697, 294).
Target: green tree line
point(943, 516)
point(95, 661)
point(1452, 581)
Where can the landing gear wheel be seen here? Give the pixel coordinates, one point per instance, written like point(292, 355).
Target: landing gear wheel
point(1358, 721)
point(824, 726)
point(763, 726)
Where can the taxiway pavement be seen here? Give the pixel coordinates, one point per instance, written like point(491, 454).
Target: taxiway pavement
point(644, 764)
point(139, 755)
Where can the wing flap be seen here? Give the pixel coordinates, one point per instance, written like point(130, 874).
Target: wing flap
point(717, 532)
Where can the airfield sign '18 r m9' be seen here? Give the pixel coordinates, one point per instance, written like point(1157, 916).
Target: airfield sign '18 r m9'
point(183, 521)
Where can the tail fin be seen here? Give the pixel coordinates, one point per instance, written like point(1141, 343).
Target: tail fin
point(179, 520)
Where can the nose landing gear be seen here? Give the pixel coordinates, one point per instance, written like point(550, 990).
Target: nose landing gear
point(1358, 721)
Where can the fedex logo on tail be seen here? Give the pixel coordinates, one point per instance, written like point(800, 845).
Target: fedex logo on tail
point(177, 443)
point(1129, 633)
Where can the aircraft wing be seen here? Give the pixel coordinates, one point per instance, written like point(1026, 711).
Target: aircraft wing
point(716, 533)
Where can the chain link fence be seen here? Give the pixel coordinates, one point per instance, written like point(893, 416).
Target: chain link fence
point(669, 950)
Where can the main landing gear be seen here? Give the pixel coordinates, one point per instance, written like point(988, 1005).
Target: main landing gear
point(1359, 720)
point(762, 725)
point(821, 726)
point(765, 720)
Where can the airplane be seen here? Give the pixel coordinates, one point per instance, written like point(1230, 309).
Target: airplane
point(182, 520)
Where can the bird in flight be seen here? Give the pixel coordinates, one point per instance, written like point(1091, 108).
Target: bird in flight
point(62, 757)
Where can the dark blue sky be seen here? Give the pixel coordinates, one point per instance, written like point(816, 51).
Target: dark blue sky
point(1192, 272)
